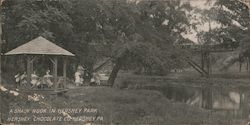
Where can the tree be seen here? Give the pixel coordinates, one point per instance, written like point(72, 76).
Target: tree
point(233, 18)
point(25, 20)
point(131, 33)
point(149, 40)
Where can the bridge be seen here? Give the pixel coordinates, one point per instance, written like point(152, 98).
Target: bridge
point(205, 50)
point(204, 68)
point(210, 48)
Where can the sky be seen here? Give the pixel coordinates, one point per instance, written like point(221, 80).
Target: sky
point(201, 4)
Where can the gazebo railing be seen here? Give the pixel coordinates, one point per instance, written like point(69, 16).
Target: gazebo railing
point(61, 83)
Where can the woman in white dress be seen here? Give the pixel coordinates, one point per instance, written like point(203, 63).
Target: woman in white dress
point(78, 78)
point(47, 79)
point(34, 80)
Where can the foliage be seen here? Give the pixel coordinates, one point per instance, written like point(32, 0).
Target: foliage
point(233, 19)
point(136, 33)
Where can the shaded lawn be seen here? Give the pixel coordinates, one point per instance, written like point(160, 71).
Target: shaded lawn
point(129, 107)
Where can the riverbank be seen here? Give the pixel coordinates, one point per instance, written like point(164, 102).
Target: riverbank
point(126, 107)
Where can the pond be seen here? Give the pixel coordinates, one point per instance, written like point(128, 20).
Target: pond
point(219, 98)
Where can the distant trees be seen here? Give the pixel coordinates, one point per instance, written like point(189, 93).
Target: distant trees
point(228, 26)
point(232, 17)
point(27, 19)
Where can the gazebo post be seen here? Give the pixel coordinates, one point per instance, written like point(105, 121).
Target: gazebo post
point(28, 69)
point(64, 70)
point(55, 72)
point(32, 65)
point(42, 46)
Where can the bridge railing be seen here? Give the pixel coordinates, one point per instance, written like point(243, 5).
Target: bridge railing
point(213, 48)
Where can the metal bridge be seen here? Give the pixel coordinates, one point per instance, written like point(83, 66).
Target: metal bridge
point(210, 48)
point(205, 50)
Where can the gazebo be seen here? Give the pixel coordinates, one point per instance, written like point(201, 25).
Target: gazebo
point(41, 46)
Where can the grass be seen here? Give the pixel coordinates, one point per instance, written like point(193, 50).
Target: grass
point(137, 107)
point(130, 106)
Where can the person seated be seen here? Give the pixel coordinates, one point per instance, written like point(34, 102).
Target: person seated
point(47, 79)
point(17, 79)
point(60, 83)
point(35, 80)
point(23, 79)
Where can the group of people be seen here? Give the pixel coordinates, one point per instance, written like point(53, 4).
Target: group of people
point(81, 74)
point(46, 81)
point(36, 81)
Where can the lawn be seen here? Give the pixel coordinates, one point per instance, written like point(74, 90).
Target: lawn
point(126, 107)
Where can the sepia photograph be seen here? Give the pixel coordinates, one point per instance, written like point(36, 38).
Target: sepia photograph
point(124, 62)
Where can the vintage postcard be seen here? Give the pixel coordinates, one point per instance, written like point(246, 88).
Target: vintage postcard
point(124, 62)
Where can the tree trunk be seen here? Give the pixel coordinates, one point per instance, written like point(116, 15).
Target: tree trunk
point(114, 72)
point(240, 64)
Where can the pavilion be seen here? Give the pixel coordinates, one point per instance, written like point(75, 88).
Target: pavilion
point(41, 46)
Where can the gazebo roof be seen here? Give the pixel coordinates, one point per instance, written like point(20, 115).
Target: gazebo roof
point(39, 46)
